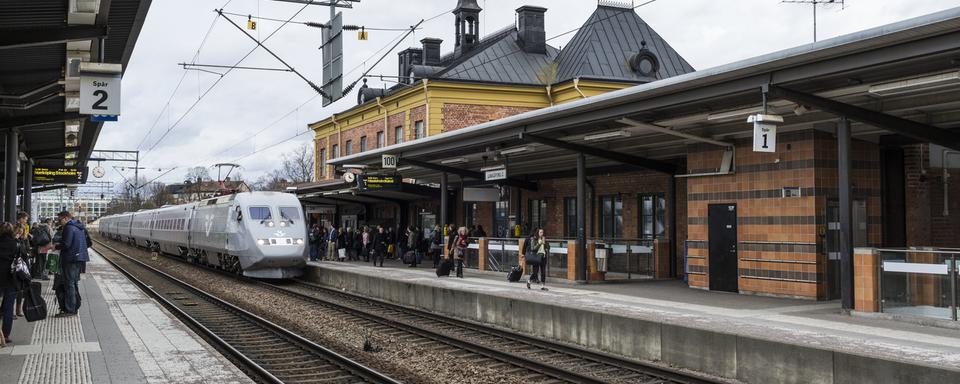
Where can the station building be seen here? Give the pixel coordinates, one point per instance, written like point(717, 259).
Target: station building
point(667, 165)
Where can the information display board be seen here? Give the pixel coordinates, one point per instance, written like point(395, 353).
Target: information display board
point(65, 175)
point(367, 183)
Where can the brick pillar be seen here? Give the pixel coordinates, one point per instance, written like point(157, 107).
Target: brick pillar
point(866, 287)
point(572, 260)
point(482, 254)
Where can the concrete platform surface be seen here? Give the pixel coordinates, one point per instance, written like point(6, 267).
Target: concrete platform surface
point(749, 338)
point(120, 336)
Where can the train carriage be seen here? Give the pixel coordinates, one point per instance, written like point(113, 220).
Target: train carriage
point(258, 234)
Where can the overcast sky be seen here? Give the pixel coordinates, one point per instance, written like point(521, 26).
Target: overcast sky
point(221, 125)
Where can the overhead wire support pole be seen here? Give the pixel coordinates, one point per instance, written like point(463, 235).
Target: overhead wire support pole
point(312, 85)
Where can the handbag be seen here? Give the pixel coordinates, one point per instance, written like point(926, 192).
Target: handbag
point(20, 270)
point(532, 258)
point(53, 262)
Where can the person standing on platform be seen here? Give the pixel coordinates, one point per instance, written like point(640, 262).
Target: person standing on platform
point(436, 245)
point(348, 243)
point(380, 245)
point(413, 245)
point(316, 236)
point(535, 251)
point(8, 283)
point(42, 241)
point(366, 242)
point(458, 250)
point(22, 235)
point(73, 256)
point(391, 240)
point(357, 244)
point(332, 237)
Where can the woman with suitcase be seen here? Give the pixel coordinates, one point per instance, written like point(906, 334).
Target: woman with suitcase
point(535, 252)
point(8, 282)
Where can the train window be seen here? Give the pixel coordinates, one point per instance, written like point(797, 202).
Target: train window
point(289, 213)
point(260, 213)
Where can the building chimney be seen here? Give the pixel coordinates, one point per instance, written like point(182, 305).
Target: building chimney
point(531, 34)
point(431, 51)
point(408, 58)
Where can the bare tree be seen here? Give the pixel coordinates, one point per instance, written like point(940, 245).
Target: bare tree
point(297, 166)
point(198, 172)
point(272, 181)
point(159, 194)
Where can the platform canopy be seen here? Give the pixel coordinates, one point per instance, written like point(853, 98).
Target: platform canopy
point(41, 42)
point(898, 83)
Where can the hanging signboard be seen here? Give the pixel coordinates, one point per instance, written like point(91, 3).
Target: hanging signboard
point(765, 132)
point(100, 89)
point(65, 175)
point(366, 183)
point(495, 174)
point(388, 162)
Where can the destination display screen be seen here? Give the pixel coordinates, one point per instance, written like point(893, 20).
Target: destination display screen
point(377, 183)
point(64, 175)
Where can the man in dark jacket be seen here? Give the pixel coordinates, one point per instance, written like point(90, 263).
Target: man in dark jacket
point(73, 255)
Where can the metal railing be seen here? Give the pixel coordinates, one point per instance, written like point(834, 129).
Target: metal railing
point(629, 258)
point(919, 282)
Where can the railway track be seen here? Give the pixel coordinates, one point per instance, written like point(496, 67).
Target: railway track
point(264, 350)
point(590, 366)
point(537, 360)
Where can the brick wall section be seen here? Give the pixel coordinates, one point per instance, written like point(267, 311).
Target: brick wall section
point(456, 116)
point(416, 114)
point(926, 224)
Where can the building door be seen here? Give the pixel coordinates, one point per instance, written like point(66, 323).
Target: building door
point(859, 220)
point(722, 227)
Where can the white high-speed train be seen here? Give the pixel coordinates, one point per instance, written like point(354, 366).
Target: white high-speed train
point(258, 234)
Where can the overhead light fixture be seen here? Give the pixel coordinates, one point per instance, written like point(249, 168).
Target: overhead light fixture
point(607, 135)
point(71, 133)
point(354, 166)
point(727, 115)
point(457, 160)
point(401, 169)
point(800, 110)
point(916, 84)
point(510, 151)
point(72, 155)
point(493, 167)
point(69, 163)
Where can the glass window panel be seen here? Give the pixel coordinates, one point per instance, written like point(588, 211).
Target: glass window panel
point(260, 213)
point(289, 213)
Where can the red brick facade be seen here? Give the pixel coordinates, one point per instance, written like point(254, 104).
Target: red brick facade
point(926, 223)
point(456, 116)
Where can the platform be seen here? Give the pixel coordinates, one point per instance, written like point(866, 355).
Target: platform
point(120, 336)
point(749, 338)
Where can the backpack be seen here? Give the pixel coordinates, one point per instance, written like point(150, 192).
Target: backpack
point(40, 236)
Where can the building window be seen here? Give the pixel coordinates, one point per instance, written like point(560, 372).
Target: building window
point(570, 217)
point(380, 141)
point(538, 214)
point(419, 130)
point(348, 147)
point(611, 217)
point(398, 135)
point(323, 162)
point(363, 144)
point(651, 210)
point(470, 214)
point(335, 151)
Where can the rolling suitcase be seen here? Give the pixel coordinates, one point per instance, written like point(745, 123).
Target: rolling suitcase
point(444, 268)
point(408, 257)
point(515, 273)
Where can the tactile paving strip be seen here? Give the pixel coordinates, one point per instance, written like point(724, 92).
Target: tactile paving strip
point(56, 368)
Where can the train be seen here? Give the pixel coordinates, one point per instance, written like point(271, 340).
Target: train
point(256, 234)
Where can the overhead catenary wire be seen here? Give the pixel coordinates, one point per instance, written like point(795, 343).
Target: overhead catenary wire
point(315, 24)
point(205, 93)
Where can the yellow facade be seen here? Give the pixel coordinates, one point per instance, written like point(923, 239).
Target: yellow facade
point(435, 94)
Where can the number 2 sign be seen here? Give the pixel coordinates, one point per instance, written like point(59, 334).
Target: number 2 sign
point(100, 94)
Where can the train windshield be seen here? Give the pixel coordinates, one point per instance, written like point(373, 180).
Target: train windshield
point(260, 213)
point(289, 213)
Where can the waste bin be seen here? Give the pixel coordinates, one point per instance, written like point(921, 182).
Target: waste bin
point(602, 254)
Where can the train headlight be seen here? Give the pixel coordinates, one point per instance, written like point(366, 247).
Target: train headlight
point(299, 241)
point(283, 223)
point(261, 242)
point(270, 224)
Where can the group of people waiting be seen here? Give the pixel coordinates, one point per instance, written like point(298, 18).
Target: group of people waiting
point(47, 247)
point(411, 244)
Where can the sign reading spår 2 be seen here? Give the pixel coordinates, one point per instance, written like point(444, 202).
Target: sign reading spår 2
point(100, 89)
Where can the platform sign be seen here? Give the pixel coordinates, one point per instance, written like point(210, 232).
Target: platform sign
point(765, 132)
point(64, 175)
point(388, 162)
point(367, 183)
point(100, 94)
point(495, 174)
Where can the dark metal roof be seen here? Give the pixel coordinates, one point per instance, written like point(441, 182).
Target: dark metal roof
point(603, 46)
point(499, 59)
